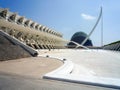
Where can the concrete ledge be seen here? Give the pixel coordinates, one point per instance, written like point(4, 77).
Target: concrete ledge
point(65, 69)
point(32, 51)
point(64, 74)
point(95, 81)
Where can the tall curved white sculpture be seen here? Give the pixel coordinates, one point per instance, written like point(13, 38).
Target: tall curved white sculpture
point(100, 15)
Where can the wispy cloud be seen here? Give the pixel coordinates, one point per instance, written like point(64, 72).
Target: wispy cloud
point(87, 17)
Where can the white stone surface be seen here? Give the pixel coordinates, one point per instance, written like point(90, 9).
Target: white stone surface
point(90, 66)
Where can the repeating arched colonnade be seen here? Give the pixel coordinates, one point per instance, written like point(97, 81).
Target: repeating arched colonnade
point(31, 33)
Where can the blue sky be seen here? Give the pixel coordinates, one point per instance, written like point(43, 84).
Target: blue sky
point(70, 16)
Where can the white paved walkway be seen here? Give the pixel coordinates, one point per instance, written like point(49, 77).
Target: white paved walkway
point(91, 65)
point(91, 62)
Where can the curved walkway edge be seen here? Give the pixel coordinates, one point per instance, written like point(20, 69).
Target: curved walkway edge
point(65, 69)
point(64, 74)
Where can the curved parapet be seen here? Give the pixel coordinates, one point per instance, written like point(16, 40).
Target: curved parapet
point(65, 69)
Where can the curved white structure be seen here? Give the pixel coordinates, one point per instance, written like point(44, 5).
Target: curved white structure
point(30, 32)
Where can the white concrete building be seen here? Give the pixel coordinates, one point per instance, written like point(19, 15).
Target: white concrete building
point(31, 33)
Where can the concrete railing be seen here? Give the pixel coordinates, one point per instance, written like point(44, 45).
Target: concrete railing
point(17, 42)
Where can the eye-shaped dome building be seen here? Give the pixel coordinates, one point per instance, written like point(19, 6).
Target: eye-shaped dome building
point(79, 37)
